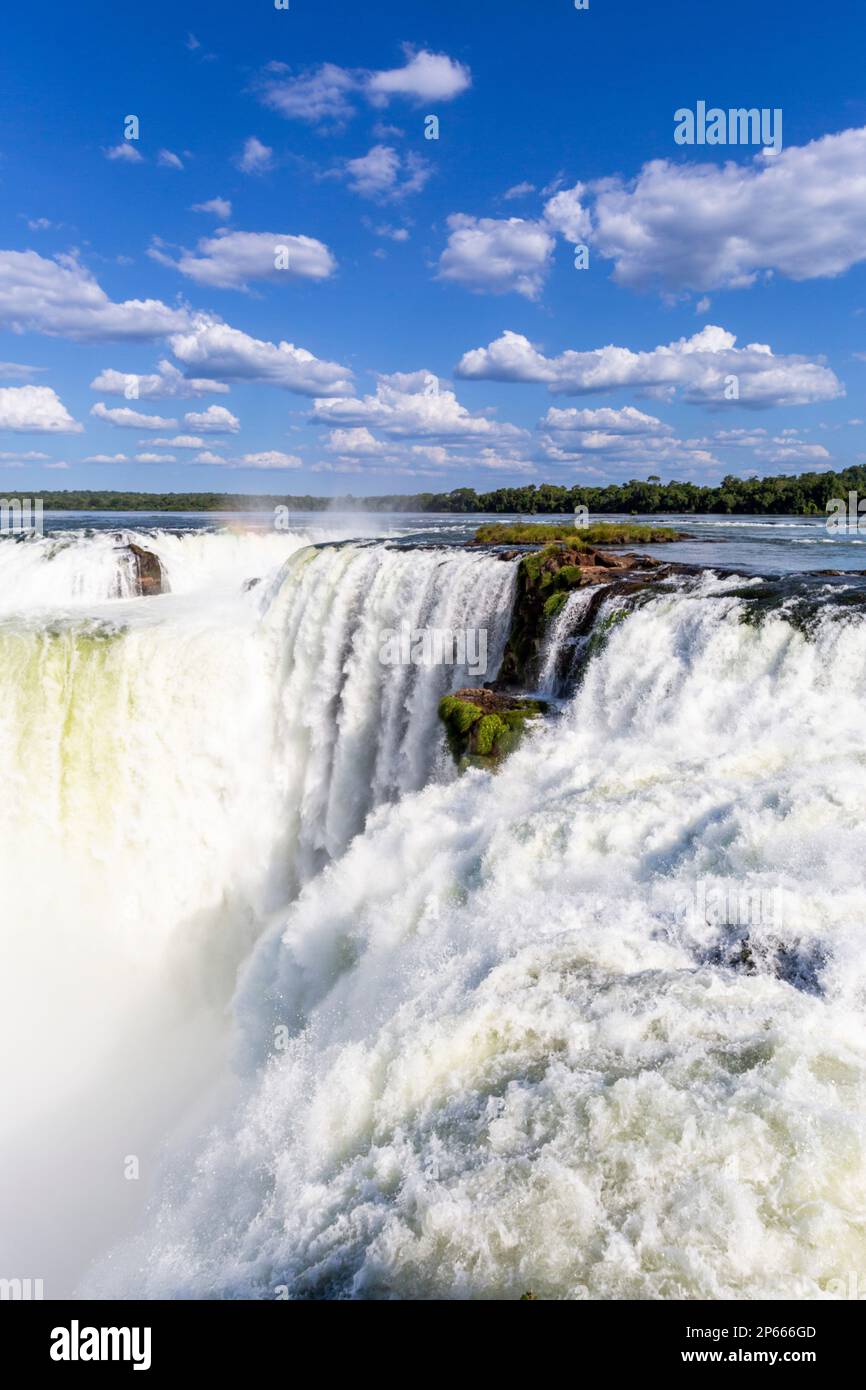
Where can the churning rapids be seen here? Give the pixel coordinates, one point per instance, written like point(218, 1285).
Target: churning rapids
point(365, 1028)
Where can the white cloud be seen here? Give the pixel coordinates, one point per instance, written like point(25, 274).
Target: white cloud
point(59, 465)
point(619, 422)
point(518, 190)
point(208, 457)
point(31, 456)
point(496, 255)
point(358, 440)
point(155, 458)
point(220, 207)
point(800, 213)
point(215, 420)
point(424, 77)
point(164, 384)
point(125, 152)
point(391, 233)
point(255, 157)
point(181, 441)
point(169, 160)
point(106, 458)
point(566, 213)
point(783, 449)
point(384, 173)
point(230, 259)
point(320, 97)
point(128, 419)
point(62, 299)
point(411, 405)
point(17, 371)
point(272, 458)
point(35, 410)
point(698, 368)
point(214, 348)
point(327, 96)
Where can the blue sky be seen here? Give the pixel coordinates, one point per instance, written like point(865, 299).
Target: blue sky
point(430, 329)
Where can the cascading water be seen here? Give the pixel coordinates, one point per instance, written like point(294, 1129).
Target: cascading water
point(175, 767)
point(485, 1051)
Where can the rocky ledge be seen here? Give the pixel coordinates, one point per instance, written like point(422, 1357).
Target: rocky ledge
point(545, 578)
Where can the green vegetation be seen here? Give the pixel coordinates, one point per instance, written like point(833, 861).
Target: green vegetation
point(482, 737)
point(582, 537)
point(804, 495)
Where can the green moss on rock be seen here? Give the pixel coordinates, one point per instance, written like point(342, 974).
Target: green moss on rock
point(483, 727)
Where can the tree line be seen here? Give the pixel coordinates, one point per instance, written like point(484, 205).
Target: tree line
point(804, 495)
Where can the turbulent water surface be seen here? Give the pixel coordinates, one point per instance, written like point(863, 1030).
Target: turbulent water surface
point(290, 1009)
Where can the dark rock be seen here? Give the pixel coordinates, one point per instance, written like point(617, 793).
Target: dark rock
point(147, 573)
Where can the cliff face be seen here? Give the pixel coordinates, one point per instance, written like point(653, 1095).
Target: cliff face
point(545, 578)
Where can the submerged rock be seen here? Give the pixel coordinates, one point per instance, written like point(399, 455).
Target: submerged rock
point(483, 726)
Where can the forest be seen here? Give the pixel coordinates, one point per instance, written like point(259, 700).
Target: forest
point(806, 494)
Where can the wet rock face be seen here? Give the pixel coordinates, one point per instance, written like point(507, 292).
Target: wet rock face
point(544, 580)
point(483, 726)
point(148, 576)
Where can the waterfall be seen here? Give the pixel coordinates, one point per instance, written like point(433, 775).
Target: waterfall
point(488, 1050)
point(175, 768)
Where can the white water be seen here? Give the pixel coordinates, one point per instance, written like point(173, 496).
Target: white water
point(483, 1050)
point(174, 768)
point(511, 1065)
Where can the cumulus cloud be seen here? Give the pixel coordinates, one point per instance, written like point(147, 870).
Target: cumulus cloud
point(697, 368)
point(219, 207)
point(155, 458)
point(169, 160)
point(424, 77)
point(167, 382)
point(496, 256)
point(327, 96)
point(385, 174)
point(411, 405)
point(125, 418)
point(215, 420)
point(566, 213)
point(619, 422)
point(800, 213)
point(255, 158)
point(61, 298)
point(35, 410)
point(212, 348)
point(106, 458)
point(230, 260)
